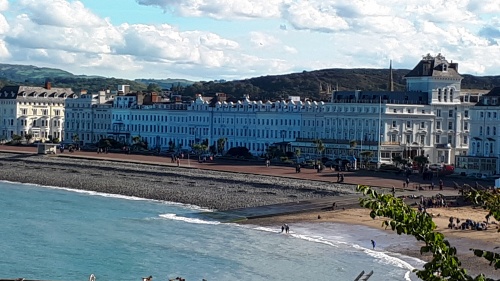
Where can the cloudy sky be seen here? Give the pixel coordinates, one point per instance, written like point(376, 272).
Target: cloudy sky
point(234, 39)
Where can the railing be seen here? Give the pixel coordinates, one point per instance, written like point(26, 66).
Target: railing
point(391, 143)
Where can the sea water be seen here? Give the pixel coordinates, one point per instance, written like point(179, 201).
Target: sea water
point(61, 234)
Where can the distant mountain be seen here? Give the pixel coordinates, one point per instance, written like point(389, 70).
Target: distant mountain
point(166, 83)
point(29, 75)
point(314, 84)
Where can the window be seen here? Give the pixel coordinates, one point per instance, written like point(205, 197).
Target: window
point(422, 139)
point(422, 125)
point(466, 125)
point(439, 94)
point(489, 114)
point(438, 112)
point(466, 114)
point(465, 139)
point(423, 111)
point(481, 130)
point(438, 139)
point(24, 111)
point(495, 115)
point(395, 110)
point(481, 114)
point(408, 124)
point(487, 131)
point(438, 125)
point(394, 124)
point(408, 138)
point(450, 113)
point(450, 125)
point(494, 131)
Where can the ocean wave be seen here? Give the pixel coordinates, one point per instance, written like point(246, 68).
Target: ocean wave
point(188, 220)
point(384, 257)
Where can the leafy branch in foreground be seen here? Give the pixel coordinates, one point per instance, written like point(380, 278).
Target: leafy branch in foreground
point(404, 219)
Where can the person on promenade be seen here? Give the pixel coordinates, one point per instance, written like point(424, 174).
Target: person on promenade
point(287, 228)
point(440, 184)
point(282, 228)
point(373, 244)
point(408, 181)
point(268, 162)
point(178, 162)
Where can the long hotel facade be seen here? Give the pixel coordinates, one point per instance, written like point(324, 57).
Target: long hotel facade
point(430, 118)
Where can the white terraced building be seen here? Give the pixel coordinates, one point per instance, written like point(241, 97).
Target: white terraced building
point(38, 111)
point(431, 118)
point(88, 118)
point(484, 153)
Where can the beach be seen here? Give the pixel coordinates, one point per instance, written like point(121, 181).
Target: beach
point(220, 190)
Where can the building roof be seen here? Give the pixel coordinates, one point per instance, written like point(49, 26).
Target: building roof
point(436, 66)
point(491, 98)
point(13, 92)
point(380, 96)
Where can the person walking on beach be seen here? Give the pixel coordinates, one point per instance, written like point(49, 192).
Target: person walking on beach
point(373, 244)
point(287, 228)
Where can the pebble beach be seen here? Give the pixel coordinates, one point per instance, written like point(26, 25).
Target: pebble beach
point(214, 190)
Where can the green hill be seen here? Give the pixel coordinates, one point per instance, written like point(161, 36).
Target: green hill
point(313, 84)
point(307, 84)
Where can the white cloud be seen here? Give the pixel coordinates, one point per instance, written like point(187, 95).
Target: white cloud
point(4, 5)
point(306, 15)
point(219, 9)
point(60, 13)
point(246, 38)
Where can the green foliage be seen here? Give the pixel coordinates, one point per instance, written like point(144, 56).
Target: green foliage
point(153, 87)
point(16, 139)
point(28, 137)
point(320, 146)
point(221, 143)
point(404, 219)
point(239, 151)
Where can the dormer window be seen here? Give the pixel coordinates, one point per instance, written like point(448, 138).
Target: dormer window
point(439, 94)
point(445, 67)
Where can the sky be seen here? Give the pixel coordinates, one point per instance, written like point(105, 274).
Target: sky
point(237, 39)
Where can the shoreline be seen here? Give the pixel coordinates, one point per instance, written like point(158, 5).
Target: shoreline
point(462, 240)
point(221, 190)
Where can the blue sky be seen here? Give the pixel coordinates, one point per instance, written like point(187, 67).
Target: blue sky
point(236, 39)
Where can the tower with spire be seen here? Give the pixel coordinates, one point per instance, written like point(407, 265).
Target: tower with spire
point(390, 87)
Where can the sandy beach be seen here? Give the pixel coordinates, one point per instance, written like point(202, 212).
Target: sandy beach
point(223, 190)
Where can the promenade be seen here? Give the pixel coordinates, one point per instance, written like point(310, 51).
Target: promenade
point(361, 177)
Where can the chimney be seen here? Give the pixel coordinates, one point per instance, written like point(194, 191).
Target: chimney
point(48, 86)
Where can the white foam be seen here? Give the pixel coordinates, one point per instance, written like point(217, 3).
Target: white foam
point(188, 220)
point(381, 256)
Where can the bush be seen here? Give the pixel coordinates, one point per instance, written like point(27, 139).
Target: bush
point(239, 152)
